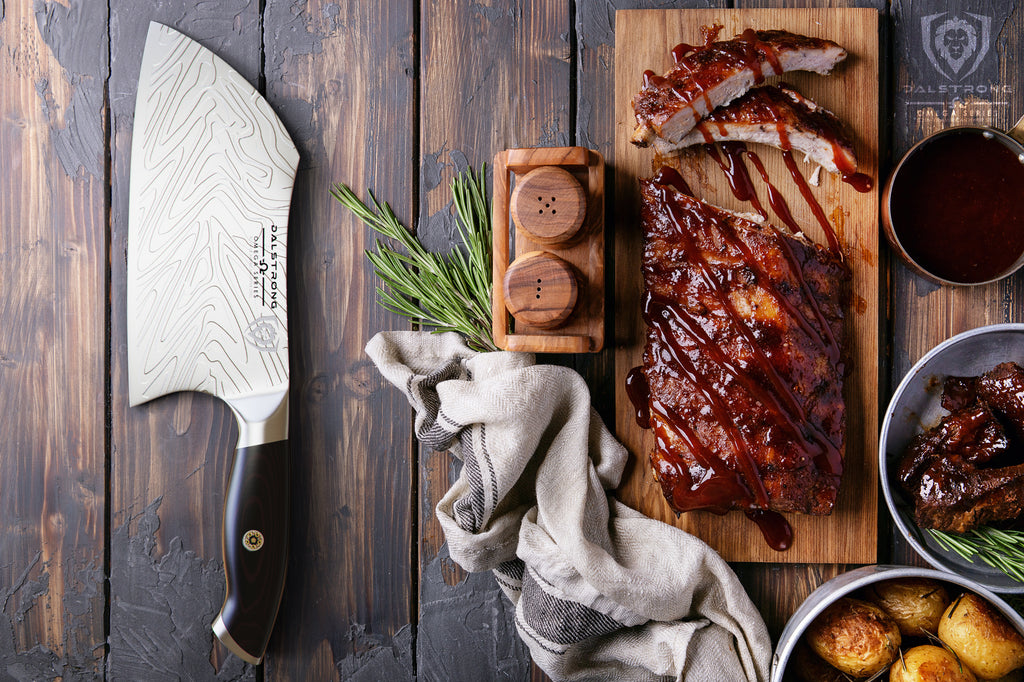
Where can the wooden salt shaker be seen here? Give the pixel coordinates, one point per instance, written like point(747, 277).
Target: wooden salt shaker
point(551, 297)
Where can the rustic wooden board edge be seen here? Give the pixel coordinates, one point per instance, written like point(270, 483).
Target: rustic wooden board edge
point(858, 543)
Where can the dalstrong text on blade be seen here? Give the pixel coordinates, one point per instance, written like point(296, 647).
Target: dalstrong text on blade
point(267, 272)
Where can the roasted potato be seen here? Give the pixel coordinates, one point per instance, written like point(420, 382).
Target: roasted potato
point(929, 663)
point(916, 604)
point(983, 639)
point(855, 637)
point(1015, 676)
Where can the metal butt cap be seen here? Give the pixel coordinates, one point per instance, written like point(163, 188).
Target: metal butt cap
point(224, 636)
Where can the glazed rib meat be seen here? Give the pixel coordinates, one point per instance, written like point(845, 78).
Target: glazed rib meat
point(743, 359)
point(968, 470)
point(778, 116)
point(715, 74)
point(1002, 389)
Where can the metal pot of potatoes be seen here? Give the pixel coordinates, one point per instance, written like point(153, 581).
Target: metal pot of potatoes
point(901, 624)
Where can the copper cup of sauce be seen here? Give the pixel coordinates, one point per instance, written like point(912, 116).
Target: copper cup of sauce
point(953, 207)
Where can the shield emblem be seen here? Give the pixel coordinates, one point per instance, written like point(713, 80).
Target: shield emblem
point(955, 44)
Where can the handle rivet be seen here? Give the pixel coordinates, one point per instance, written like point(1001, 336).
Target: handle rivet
point(252, 540)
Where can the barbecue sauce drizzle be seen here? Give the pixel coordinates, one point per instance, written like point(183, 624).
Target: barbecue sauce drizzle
point(708, 348)
point(639, 392)
point(775, 198)
point(670, 177)
point(721, 486)
point(743, 188)
point(666, 316)
point(734, 169)
point(658, 313)
point(757, 53)
point(708, 33)
point(755, 48)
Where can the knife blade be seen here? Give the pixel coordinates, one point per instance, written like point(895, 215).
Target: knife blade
point(212, 170)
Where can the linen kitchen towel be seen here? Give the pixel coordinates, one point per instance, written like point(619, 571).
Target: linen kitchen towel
point(602, 592)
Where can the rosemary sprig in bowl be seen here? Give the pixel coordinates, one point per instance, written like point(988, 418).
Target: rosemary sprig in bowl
point(1000, 549)
point(449, 292)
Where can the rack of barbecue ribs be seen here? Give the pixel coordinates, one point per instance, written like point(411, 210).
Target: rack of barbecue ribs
point(742, 376)
point(968, 471)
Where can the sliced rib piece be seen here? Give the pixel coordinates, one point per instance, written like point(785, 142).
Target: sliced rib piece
point(954, 495)
point(781, 117)
point(971, 433)
point(713, 75)
point(1001, 388)
point(968, 470)
point(743, 360)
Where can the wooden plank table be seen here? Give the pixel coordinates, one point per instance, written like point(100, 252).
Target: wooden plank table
point(110, 536)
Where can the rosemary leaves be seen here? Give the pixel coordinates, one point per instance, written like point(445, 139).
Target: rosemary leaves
point(450, 292)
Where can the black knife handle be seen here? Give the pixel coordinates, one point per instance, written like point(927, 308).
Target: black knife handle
point(255, 545)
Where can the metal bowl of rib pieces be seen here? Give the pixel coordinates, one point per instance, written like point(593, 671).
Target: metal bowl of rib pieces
point(916, 407)
point(853, 584)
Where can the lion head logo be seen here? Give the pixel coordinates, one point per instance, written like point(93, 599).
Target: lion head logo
point(959, 41)
point(956, 41)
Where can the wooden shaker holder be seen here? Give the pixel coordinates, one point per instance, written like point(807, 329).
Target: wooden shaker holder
point(555, 284)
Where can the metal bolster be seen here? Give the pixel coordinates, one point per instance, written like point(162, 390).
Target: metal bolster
point(261, 419)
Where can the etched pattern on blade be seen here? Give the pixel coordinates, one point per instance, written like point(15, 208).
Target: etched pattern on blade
point(211, 181)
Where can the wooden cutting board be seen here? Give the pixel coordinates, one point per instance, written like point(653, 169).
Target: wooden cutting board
point(643, 40)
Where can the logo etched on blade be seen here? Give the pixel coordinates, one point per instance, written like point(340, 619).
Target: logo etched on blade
point(262, 334)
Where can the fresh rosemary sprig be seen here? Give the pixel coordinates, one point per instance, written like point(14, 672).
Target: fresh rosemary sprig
point(449, 293)
point(1000, 549)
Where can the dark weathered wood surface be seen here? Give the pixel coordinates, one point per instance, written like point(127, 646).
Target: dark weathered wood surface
point(53, 252)
point(342, 77)
point(110, 562)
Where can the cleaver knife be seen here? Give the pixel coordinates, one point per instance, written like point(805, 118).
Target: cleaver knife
point(212, 170)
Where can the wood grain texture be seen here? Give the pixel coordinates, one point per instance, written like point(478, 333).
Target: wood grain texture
point(171, 458)
point(52, 340)
point(493, 76)
point(489, 76)
point(779, 589)
point(643, 41)
point(594, 128)
point(540, 289)
point(549, 205)
point(341, 76)
point(925, 100)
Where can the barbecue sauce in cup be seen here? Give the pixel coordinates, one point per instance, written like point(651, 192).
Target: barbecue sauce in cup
point(955, 206)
